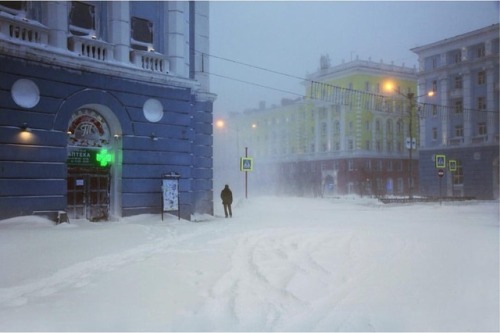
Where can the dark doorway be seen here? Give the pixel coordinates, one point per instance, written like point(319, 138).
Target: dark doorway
point(88, 193)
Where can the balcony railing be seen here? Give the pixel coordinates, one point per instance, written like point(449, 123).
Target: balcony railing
point(22, 29)
point(91, 48)
point(152, 61)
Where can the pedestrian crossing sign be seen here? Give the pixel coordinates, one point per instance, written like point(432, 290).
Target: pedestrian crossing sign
point(246, 164)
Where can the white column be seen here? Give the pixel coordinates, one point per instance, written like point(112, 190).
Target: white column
point(178, 37)
point(119, 15)
point(201, 43)
point(57, 22)
point(445, 112)
point(490, 102)
point(468, 104)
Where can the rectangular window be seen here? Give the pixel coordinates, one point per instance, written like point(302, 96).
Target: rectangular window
point(350, 165)
point(434, 110)
point(458, 82)
point(480, 51)
point(13, 7)
point(142, 34)
point(458, 175)
point(459, 131)
point(434, 86)
point(458, 107)
point(482, 129)
point(481, 77)
point(481, 103)
point(434, 134)
point(82, 19)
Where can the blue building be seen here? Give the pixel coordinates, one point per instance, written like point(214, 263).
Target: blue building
point(464, 73)
point(98, 101)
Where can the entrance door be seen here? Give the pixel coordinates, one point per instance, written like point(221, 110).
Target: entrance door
point(88, 193)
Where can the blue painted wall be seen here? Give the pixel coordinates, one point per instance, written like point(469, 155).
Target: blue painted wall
point(478, 170)
point(33, 173)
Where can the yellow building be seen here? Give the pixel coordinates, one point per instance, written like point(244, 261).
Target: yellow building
point(346, 136)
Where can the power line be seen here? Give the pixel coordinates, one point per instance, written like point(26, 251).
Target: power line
point(337, 95)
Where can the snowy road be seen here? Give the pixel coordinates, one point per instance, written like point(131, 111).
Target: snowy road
point(282, 264)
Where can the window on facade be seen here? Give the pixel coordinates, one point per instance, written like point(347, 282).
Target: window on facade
point(379, 145)
point(458, 57)
point(377, 125)
point(458, 107)
point(389, 165)
point(367, 86)
point(350, 145)
point(389, 146)
point(389, 126)
point(399, 127)
point(350, 165)
point(337, 127)
point(482, 129)
point(480, 51)
point(13, 7)
point(434, 133)
point(350, 127)
point(481, 103)
point(458, 175)
point(434, 111)
point(367, 144)
point(458, 82)
point(82, 19)
point(434, 86)
point(459, 131)
point(142, 34)
point(481, 77)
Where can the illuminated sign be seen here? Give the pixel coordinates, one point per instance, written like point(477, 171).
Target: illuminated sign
point(104, 157)
point(89, 157)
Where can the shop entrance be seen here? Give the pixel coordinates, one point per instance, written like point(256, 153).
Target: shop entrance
point(91, 167)
point(88, 193)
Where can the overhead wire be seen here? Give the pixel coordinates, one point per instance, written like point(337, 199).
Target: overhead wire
point(324, 91)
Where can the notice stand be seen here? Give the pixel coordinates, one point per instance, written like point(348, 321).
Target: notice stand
point(170, 190)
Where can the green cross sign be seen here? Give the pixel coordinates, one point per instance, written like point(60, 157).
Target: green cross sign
point(104, 157)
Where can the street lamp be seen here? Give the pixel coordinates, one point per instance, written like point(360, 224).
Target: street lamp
point(411, 142)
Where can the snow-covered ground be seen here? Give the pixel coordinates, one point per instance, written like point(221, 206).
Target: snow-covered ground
point(281, 264)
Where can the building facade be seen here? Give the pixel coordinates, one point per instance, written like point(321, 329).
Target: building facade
point(347, 136)
point(99, 101)
point(464, 71)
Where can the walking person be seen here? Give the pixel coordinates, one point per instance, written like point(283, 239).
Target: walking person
point(227, 199)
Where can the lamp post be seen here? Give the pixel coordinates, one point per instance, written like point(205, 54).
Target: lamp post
point(221, 124)
point(411, 143)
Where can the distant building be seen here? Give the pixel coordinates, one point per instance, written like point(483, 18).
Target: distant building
point(348, 136)
point(464, 71)
point(100, 99)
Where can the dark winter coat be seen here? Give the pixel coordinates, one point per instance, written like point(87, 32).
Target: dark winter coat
point(226, 195)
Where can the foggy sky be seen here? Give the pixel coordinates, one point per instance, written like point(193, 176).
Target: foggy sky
point(290, 36)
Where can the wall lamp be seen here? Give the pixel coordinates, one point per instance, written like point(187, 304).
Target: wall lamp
point(25, 128)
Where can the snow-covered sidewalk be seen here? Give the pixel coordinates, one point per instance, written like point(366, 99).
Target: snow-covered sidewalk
point(281, 264)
